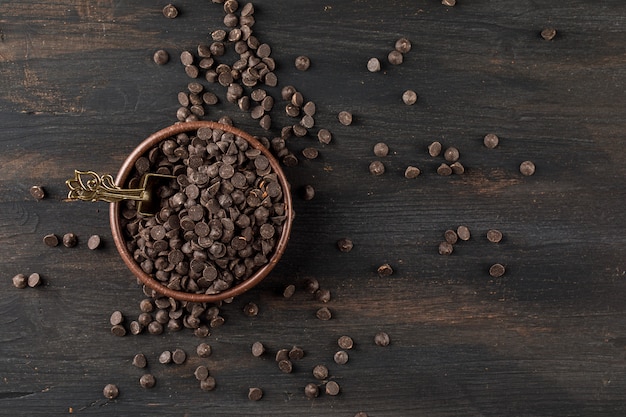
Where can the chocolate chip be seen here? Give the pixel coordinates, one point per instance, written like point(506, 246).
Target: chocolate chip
point(434, 149)
point(302, 63)
point(255, 394)
point(494, 235)
point(527, 168)
point(382, 339)
point(51, 240)
point(139, 360)
point(93, 242)
point(147, 381)
point(324, 314)
point(37, 192)
point(20, 281)
point(111, 391)
point(341, 357)
point(381, 149)
point(170, 11)
point(345, 245)
point(345, 342)
point(463, 232)
point(548, 33)
point(345, 118)
point(258, 349)
point(385, 270)
point(412, 172)
point(409, 97)
point(311, 390)
point(332, 388)
point(377, 168)
point(320, 372)
point(373, 65)
point(70, 240)
point(491, 140)
point(445, 248)
point(161, 57)
point(403, 45)
point(496, 270)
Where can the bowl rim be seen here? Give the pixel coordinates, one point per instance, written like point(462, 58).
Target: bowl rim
point(151, 282)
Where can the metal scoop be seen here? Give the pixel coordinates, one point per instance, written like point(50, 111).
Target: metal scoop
point(90, 186)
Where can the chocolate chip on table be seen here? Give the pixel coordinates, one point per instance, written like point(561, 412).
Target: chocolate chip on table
point(412, 172)
point(111, 391)
point(289, 291)
point(34, 280)
point(281, 354)
point(409, 97)
point(258, 349)
point(457, 168)
point(377, 168)
point(373, 65)
point(381, 149)
point(302, 63)
point(320, 372)
point(165, 357)
point(345, 245)
point(345, 342)
point(311, 390)
point(491, 140)
point(323, 314)
point(332, 388)
point(308, 192)
point(94, 242)
point(170, 11)
point(434, 149)
point(527, 168)
point(445, 248)
point(139, 360)
point(51, 240)
point(345, 118)
point(341, 357)
point(450, 3)
point(382, 339)
point(310, 153)
point(324, 136)
point(548, 33)
point(116, 318)
point(70, 240)
point(231, 6)
point(403, 45)
point(384, 270)
point(179, 356)
point(203, 350)
point(311, 285)
point(496, 270)
point(323, 295)
point(450, 236)
point(255, 394)
point(361, 414)
point(296, 353)
point(251, 309)
point(147, 381)
point(118, 330)
point(395, 58)
point(208, 384)
point(201, 373)
point(494, 236)
point(463, 232)
point(154, 327)
point(444, 170)
point(451, 154)
point(20, 281)
point(161, 57)
point(37, 192)
point(286, 366)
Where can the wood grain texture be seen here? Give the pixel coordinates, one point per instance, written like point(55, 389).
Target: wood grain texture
point(79, 90)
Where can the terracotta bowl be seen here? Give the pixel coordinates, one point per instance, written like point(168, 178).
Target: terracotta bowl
point(120, 241)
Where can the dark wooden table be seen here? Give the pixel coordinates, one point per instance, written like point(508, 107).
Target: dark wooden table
point(79, 90)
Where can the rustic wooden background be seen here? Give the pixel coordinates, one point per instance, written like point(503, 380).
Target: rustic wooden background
point(78, 89)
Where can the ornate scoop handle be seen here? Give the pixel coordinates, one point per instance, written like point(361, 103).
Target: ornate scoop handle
point(90, 186)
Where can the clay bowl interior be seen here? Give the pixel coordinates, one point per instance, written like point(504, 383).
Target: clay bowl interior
point(120, 241)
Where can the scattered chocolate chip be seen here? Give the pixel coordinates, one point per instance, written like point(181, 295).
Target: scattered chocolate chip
point(381, 339)
point(251, 309)
point(409, 97)
point(377, 168)
point(110, 391)
point(37, 192)
point(548, 33)
point(527, 168)
point(147, 381)
point(258, 349)
point(34, 280)
point(463, 232)
point(344, 244)
point(341, 357)
point(70, 240)
point(381, 149)
point(302, 63)
point(345, 342)
point(324, 314)
point(496, 270)
point(94, 242)
point(385, 270)
point(20, 281)
point(444, 170)
point(311, 390)
point(345, 118)
point(494, 235)
point(445, 248)
point(170, 11)
point(434, 149)
point(140, 361)
point(491, 140)
point(373, 65)
point(161, 57)
point(320, 372)
point(116, 318)
point(51, 240)
point(255, 394)
point(403, 45)
point(412, 172)
point(332, 388)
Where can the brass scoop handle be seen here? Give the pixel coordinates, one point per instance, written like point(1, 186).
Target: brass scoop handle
point(91, 186)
